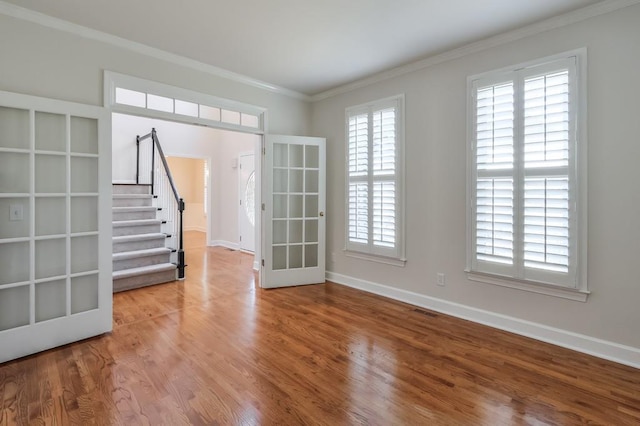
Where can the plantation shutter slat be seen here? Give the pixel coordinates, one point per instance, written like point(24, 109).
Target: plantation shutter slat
point(358, 212)
point(384, 142)
point(384, 214)
point(495, 127)
point(494, 195)
point(494, 220)
point(523, 189)
point(546, 120)
point(358, 145)
point(546, 146)
point(372, 189)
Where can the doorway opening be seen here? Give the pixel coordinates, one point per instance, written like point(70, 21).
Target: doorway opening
point(204, 163)
point(189, 175)
point(290, 246)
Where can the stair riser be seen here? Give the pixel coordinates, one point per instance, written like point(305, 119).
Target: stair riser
point(131, 189)
point(119, 265)
point(134, 215)
point(135, 229)
point(143, 280)
point(130, 266)
point(138, 245)
point(132, 202)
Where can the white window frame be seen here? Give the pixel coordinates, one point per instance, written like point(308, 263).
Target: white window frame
point(573, 285)
point(393, 256)
point(243, 117)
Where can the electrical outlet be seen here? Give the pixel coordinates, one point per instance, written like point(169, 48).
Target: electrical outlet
point(440, 279)
point(16, 212)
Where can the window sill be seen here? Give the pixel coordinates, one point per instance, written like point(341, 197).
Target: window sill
point(375, 258)
point(562, 292)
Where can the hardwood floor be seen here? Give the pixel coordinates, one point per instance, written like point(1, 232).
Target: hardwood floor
point(216, 349)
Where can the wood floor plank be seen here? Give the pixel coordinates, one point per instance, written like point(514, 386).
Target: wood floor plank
point(216, 349)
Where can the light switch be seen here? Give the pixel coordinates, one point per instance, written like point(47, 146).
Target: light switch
point(16, 212)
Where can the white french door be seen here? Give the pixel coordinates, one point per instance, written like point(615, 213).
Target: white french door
point(293, 211)
point(55, 224)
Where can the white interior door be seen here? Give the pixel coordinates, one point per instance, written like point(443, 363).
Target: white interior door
point(294, 205)
point(55, 224)
point(247, 203)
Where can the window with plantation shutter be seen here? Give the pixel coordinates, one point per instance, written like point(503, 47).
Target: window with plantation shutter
point(526, 214)
point(374, 161)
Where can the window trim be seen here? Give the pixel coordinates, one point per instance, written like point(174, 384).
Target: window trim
point(113, 82)
point(577, 172)
point(396, 256)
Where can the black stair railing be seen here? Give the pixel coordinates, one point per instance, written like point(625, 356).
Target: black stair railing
point(163, 188)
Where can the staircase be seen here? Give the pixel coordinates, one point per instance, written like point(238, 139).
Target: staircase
point(140, 257)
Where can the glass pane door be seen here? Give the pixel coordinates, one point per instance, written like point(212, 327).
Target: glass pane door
point(294, 211)
point(52, 289)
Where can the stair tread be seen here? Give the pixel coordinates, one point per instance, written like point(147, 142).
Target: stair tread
point(139, 237)
point(132, 196)
point(130, 184)
point(135, 209)
point(126, 273)
point(134, 222)
point(140, 253)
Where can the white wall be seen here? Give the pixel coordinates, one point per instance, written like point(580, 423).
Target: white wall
point(183, 140)
point(45, 62)
point(188, 175)
point(42, 61)
point(436, 181)
point(225, 183)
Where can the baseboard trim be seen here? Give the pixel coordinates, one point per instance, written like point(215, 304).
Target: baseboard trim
point(611, 351)
point(223, 243)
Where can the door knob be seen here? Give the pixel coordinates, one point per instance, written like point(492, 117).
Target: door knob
point(321, 214)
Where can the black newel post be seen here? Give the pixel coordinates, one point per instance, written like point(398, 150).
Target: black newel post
point(181, 263)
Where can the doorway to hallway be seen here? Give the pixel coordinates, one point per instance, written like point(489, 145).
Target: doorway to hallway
point(205, 164)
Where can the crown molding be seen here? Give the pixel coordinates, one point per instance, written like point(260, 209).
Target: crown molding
point(582, 14)
point(18, 12)
point(575, 16)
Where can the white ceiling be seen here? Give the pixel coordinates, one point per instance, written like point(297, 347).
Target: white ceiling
point(308, 46)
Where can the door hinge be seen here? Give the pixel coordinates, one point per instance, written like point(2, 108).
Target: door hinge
point(240, 237)
point(263, 207)
point(240, 202)
point(262, 262)
point(264, 150)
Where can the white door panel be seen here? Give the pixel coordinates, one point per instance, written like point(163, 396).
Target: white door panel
point(55, 243)
point(294, 206)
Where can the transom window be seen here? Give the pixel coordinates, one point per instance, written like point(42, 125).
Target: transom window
point(525, 212)
point(131, 94)
point(374, 184)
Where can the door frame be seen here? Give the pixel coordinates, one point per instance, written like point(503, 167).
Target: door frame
point(113, 80)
